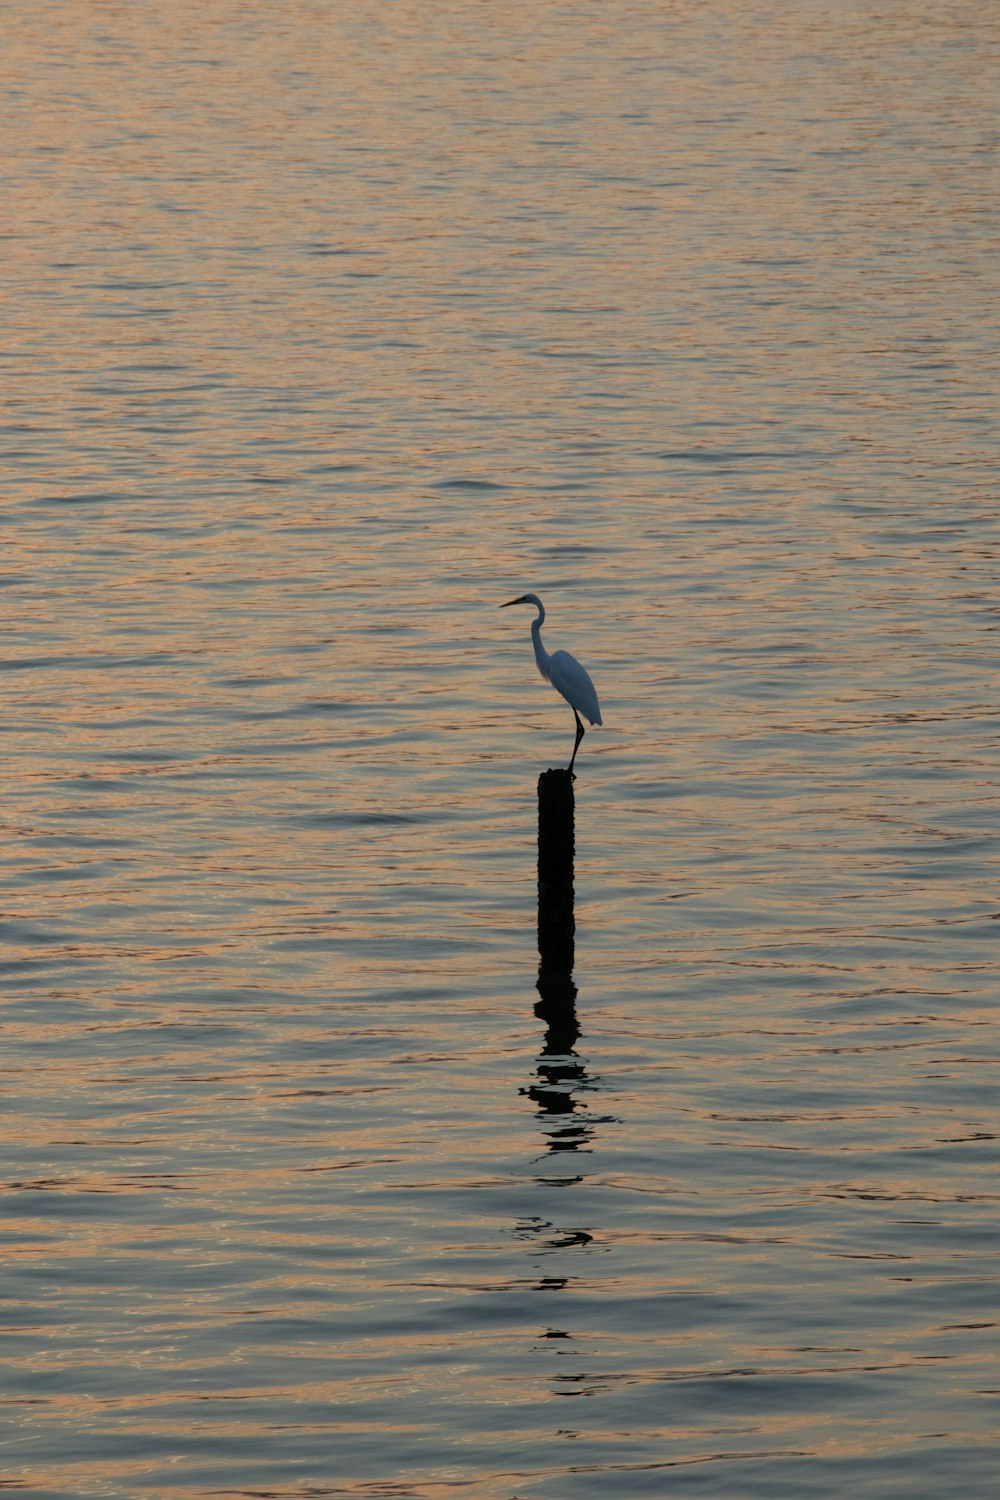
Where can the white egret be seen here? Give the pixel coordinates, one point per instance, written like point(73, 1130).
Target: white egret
point(564, 672)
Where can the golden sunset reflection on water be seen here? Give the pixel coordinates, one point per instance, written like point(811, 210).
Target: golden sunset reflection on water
point(329, 329)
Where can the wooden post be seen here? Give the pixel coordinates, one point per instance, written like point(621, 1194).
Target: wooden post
point(556, 923)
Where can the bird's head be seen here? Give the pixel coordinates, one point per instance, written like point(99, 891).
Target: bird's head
point(523, 599)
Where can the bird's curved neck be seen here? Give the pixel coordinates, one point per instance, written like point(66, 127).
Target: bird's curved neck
point(541, 655)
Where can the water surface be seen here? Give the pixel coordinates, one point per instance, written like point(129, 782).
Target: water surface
point(330, 328)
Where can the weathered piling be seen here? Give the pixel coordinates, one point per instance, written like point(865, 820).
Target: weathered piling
point(556, 923)
point(558, 1070)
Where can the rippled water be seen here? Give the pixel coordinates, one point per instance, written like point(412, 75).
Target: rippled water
point(328, 329)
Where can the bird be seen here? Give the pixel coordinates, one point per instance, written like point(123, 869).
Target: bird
point(564, 672)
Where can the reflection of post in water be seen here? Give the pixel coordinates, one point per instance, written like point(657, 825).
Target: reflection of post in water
point(558, 1069)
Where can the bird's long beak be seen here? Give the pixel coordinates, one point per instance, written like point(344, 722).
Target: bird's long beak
point(512, 601)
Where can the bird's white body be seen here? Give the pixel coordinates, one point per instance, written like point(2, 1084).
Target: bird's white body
point(573, 681)
point(564, 672)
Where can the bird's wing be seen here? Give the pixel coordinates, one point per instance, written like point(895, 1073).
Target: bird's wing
point(573, 681)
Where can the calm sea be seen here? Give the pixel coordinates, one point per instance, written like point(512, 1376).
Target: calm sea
point(328, 328)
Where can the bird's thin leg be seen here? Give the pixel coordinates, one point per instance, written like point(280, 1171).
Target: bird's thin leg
point(579, 737)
